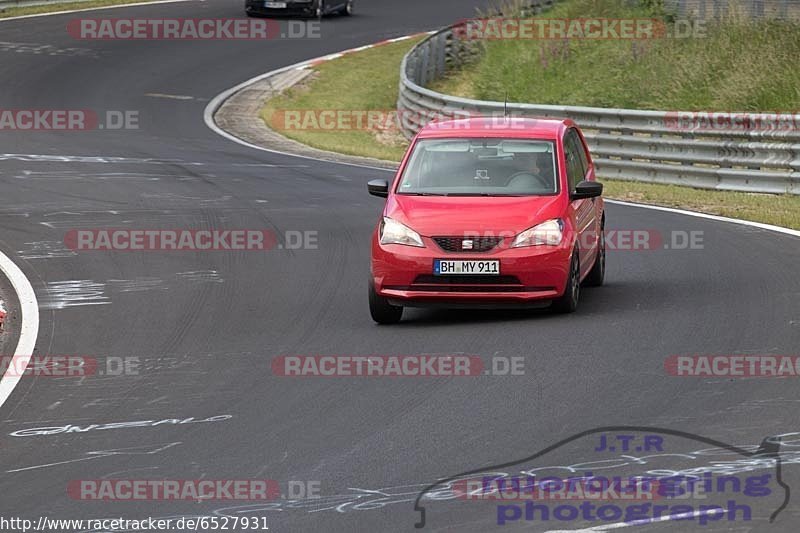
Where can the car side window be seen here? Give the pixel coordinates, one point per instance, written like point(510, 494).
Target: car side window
point(581, 148)
point(575, 169)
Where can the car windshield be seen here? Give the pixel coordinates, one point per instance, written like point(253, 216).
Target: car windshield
point(480, 167)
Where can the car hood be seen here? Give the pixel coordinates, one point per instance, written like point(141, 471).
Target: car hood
point(456, 215)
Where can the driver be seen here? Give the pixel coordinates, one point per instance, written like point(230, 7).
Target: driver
point(535, 171)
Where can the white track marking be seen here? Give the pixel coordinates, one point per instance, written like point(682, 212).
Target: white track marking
point(768, 227)
point(217, 101)
point(97, 9)
point(29, 327)
point(170, 96)
point(101, 454)
point(644, 522)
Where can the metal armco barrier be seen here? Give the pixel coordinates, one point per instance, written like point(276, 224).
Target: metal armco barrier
point(651, 146)
point(714, 9)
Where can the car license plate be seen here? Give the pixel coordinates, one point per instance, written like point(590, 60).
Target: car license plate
point(445, 267)
point(275, 5)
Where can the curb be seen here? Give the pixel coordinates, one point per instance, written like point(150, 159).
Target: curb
point(234, 113)
point(28, 325)
point(295, 149)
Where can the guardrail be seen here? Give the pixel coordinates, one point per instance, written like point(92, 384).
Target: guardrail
point(714, 9)
point(648, 146)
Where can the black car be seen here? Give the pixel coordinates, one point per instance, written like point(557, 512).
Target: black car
point(303, 8)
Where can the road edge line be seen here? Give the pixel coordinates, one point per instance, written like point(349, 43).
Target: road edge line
point(718, 218)
point(216, 102)
point(29, 326)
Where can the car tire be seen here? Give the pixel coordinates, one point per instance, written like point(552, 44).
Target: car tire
point(320, 9)
point(568, 302)
point(347, 10)
point(381, 310)
point(597, 275)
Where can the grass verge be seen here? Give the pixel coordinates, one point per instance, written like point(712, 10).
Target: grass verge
point(780, 210)
point(369, 80)
point(361, 81)
point(67, 6)
point(735, 65)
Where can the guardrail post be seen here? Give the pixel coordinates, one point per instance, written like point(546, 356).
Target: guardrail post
point(441, 53)
point(758, 9)
point(422, 79)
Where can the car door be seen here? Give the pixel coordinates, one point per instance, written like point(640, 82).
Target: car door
point(584, 210)
point(589, 175)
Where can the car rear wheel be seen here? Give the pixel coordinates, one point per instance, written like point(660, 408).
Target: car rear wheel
point(347, 10)
point(568, 302)
point(597, 275)
point(320, 9)
point(381, 310)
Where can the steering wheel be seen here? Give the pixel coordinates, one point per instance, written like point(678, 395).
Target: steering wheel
point(528, 178)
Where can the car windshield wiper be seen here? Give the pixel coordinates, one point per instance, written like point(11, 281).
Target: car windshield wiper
point(486, 194)
point(479, 194)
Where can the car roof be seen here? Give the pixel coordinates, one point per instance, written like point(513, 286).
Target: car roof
point(514, 127)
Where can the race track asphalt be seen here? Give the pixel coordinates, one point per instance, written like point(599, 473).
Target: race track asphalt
point(206, 326)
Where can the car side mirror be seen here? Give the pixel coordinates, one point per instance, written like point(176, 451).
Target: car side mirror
point(378, 188)
point(587, 189)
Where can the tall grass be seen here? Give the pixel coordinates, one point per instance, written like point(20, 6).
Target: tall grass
point(734, 64)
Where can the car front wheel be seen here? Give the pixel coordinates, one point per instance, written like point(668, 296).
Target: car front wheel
point(568, 302)
point(381, 310)
point(597, 275)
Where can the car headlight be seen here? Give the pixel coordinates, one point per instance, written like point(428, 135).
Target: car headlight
point(548, 233)
point(393, 232)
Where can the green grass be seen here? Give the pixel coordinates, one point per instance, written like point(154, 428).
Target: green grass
point(67, 6)
point(738, 65)
point(780, 210)
point(366, 80)
point(369, 80)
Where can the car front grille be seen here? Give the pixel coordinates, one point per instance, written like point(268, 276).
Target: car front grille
point(466, 280)
point(474, 284)
point(456, 244)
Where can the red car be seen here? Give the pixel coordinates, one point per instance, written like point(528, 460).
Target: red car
point(488, 212)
